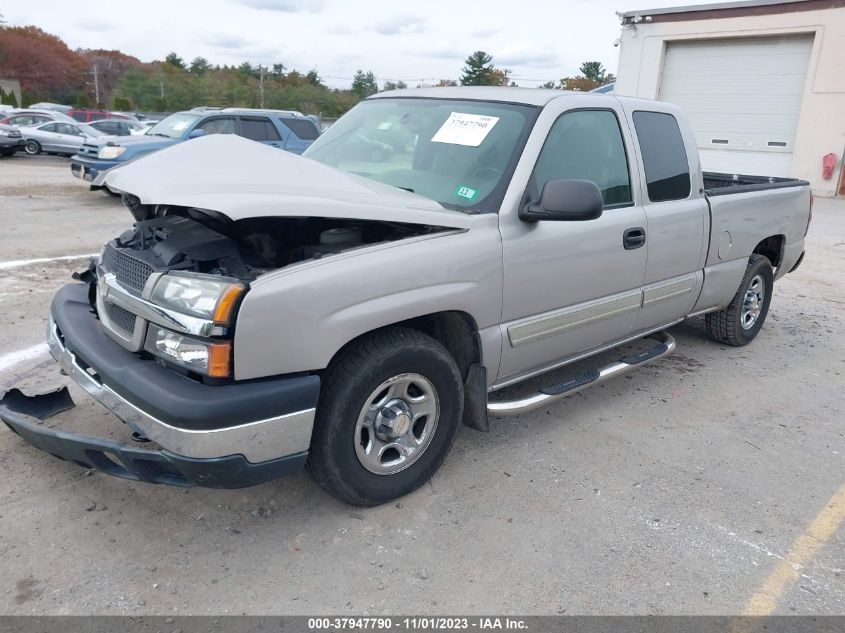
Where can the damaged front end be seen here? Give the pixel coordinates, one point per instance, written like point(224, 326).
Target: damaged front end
point(130, 334)
point(149, 330)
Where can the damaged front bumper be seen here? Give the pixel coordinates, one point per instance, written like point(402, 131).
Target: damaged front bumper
point(205, 432)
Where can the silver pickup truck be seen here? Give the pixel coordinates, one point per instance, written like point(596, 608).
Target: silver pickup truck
point(347, 310)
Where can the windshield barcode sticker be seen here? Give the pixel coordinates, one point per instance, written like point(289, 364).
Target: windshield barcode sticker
point(465, 129)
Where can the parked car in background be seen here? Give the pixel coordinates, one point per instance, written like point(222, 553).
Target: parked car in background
point(58, 137)
point(11, 140)
point(46, 105)
point(27, 117)
point(86, 116)
point(119, 127)
point(285, 129)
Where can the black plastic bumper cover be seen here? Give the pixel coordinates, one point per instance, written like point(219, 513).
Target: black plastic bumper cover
point(21, 413)
point(160, 392)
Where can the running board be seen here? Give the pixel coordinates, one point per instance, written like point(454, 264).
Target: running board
point(665, 346)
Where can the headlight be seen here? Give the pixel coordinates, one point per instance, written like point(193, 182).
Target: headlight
point(110, 151)
point(209, 358)
point(206, 297)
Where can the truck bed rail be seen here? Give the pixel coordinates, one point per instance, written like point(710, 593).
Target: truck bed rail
point(718, 184)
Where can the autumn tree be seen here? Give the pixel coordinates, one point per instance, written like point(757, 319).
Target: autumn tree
point(47, 69)
point(478, 71)
point(593, 75)
point(502, 77)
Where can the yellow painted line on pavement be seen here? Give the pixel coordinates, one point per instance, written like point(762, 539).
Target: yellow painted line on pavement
point(803, 549)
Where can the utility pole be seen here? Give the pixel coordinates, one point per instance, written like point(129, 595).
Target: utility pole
point(261, 84)
point(96, 86)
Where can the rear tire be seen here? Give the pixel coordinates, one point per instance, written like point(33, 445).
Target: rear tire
point(32, 148)
point(395, 370)
point(740, 322)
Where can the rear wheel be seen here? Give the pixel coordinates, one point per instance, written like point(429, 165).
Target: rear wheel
point(389, 411)
point(32, 147)
point(741, 321)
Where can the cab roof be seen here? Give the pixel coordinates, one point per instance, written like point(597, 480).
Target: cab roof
point(524, 96)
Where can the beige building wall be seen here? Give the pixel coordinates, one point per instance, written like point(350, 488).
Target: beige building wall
point(821, 125)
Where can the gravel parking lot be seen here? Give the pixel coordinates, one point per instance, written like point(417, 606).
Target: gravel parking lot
point(712, 482)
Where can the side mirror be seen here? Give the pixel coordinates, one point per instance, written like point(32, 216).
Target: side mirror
point(197, 133)
point(566, 200)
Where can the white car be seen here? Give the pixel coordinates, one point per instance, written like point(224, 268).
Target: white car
point(57, 137)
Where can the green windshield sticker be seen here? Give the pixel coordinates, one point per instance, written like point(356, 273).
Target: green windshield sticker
point(466, 192)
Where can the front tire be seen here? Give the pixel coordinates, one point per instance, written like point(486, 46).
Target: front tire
point(741, 321)
point(32, 148)
point(389, 412)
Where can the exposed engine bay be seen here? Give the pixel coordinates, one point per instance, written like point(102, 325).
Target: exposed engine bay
point(196, 240)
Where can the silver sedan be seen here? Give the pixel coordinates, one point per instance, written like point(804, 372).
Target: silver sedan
point(57, 137)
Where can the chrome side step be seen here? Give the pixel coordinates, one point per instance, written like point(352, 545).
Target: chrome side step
point(665, 346)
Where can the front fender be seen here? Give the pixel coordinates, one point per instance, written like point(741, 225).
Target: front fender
point(296, 319)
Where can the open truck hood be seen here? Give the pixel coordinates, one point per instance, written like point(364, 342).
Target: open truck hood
point(244, 179)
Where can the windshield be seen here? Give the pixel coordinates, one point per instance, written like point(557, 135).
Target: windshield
point(458, 153)
point(173, 126)
point(90, 131)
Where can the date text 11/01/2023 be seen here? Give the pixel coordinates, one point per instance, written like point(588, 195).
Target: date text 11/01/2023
point(416, 623)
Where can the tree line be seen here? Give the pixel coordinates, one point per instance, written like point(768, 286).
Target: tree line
point(95, 78)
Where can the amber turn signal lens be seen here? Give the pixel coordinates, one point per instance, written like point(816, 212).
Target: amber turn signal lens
point(226, 305)
point(219, 360)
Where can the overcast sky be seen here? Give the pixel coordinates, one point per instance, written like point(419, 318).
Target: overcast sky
point(427, 40)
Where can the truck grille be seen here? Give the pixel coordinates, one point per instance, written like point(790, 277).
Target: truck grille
point(88, 150)
point(129, 271)
point(121, 318)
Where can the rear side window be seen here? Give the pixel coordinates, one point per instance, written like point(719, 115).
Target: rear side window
point(664, 156)
point(259, 129)
point(303, 128)
point(586, 145)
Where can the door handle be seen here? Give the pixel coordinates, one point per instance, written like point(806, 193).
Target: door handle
point(633, 238)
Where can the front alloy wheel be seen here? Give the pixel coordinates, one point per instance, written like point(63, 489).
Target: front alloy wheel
point(396, 424)
point(390, 406)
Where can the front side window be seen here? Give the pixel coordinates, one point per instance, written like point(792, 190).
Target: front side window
point(664, 156)
point(586, 145)
point(460, 154)
point(219, 125)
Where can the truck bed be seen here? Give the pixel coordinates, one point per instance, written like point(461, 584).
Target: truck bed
point(717, 184)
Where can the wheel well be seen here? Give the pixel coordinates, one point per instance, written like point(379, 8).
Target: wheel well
point(771, 247)
point(454, 330)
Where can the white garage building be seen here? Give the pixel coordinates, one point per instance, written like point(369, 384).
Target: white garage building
point(763, 82)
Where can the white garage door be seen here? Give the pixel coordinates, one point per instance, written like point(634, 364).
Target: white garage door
point(743, 98)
